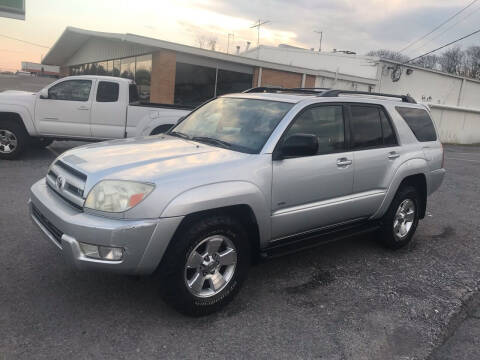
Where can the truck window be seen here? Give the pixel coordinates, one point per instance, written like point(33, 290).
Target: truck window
point(71, 90)
point(107, 91)
point(326, 122)
point(366, 128)
point(419, 122)
point(133, 93)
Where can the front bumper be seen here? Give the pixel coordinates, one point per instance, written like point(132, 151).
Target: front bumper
point(144, 241)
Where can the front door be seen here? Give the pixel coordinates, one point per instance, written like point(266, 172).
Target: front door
point(67, 110)
point(313, 191)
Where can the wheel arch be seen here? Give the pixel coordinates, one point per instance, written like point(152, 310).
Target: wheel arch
point(20, 115)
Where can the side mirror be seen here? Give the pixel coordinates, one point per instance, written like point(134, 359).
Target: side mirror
point(44, 94)
point(298, 145)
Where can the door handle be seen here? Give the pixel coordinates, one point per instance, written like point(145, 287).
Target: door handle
point(343, 162)
point(393, 155)
point(83, 107)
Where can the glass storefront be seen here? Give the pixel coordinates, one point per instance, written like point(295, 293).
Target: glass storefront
point(194, 84)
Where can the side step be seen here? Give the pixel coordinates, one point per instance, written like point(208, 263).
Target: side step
point(312, 239)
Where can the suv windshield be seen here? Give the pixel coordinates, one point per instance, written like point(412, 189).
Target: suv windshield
point(234, 123)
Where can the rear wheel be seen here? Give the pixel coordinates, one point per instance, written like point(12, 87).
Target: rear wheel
point(13, 139)
point(205, 265)
point(401, 219)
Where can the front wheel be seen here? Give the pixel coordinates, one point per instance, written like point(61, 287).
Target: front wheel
point(205, 265)
point(401, 219)
point(13, 140)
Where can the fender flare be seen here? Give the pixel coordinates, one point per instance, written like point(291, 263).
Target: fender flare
point(156, 118)
point(24, 115)
point(219, 195)
point(408, 168)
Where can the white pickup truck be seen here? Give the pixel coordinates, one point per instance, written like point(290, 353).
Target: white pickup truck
point(79, 107)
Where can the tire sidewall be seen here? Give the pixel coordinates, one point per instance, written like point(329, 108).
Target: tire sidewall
point(387, 233)
point(177, 293)
point(20, 134)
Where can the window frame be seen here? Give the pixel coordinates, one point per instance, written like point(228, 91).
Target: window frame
point(346, 134)
point(72, 80)
point(379, 109)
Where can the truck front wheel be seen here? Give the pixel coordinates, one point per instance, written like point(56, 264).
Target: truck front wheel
point(205, 265)
point(13, 139)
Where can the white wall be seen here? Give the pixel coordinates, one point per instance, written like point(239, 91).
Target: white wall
point(354, 65)
point(331, 83)
point(456, 125)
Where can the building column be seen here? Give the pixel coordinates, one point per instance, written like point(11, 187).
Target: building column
point(64, 71)
point(162, 81)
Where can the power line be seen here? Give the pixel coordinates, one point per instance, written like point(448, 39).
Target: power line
point(439, 26)
point(443, 46)
point(448, 28)
point(24, 41)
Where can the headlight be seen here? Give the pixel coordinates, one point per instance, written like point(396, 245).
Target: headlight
point(117, 195)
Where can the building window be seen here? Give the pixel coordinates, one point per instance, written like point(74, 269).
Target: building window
point(143, 71)
point(127, 68)
point(194, 84)
point(102, 68)
point(116, 68)
point(232, 81)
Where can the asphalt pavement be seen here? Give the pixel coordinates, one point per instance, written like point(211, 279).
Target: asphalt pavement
point(350, 299)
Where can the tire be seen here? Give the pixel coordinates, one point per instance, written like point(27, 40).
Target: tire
point(41, 142)
point(401, 220)
point(191, 261)
point(13, 139)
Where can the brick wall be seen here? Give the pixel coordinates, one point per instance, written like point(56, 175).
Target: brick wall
point(285, 79)
point(310, 81)
point(162, 84)
point(64, 71)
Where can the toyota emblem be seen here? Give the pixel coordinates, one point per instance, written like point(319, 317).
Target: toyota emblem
point(60, 182)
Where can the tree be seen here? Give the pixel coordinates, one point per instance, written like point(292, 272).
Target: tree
point(472, 62)
point(451, 61)
point(429, 61)
point(389, 54)
point(212, 43)
point(201, 41)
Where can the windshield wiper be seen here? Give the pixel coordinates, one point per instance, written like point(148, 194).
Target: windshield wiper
point(179, 134)
point(212, 141)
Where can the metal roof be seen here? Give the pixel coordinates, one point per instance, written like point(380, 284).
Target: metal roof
point(74, 38)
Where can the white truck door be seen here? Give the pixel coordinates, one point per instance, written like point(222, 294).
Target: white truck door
point(66, 111)
point(108, 111)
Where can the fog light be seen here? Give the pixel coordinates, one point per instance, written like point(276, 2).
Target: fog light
point(102, 252)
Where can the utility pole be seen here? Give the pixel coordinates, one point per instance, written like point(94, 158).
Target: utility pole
point(257, 25)
point(321, 37)
point(228, 41)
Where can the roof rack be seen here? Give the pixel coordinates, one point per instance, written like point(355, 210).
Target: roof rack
point(335, 93)
point(271, 89)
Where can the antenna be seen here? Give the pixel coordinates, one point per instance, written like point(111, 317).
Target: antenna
point(257, 25)
point(321, 37)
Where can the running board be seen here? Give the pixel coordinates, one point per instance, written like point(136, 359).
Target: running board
point(312, 239)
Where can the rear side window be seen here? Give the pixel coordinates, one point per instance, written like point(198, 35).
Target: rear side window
point(133, 93)
point(107, 91)
point(365, 127)
point(419, 122)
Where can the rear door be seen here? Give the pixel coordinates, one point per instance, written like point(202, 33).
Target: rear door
point(67, 110)
point(311, 192)
point(108, 111)
point(376, 155)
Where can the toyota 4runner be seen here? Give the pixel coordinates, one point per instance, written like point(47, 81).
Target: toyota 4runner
point(244, 176)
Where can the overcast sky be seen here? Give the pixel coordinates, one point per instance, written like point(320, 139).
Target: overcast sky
point(357, 25)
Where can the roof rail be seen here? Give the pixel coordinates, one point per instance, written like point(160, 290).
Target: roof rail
point(268, 89)
point(335, 93)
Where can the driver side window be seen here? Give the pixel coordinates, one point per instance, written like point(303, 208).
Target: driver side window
point(326, 123)
point(71, 90)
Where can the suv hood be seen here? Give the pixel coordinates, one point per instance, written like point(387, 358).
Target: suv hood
point(145, 159)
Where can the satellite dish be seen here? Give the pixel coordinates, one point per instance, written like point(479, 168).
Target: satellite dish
point(396, 73)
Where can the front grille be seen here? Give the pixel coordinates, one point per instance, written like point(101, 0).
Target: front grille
point(54, 231)
point(67, 182)
point(71, 170)
point(64, 198)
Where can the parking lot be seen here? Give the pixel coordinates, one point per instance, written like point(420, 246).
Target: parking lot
point(351, 299)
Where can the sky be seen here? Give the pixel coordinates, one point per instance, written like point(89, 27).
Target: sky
point(356, 25)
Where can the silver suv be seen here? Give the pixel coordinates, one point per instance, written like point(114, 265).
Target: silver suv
point(244, 176)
